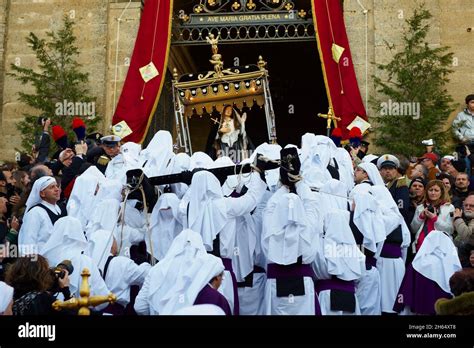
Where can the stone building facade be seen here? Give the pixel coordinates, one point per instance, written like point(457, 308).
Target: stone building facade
point(106, 31)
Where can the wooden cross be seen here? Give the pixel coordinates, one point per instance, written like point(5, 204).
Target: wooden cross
point(85, 301)
point(331, 118)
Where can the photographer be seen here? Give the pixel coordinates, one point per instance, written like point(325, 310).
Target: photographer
point(34, 286)
point(464, 222)
point(9, 227)
point(434, 214)
point(8, 235)
point(74, 162)
point(7, 187)
point(42, 148)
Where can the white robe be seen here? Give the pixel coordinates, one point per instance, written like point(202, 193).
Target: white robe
point(83, 197)
point(122, 272)
point(368, 292)
point(338, 256)
point(211, 214)
point(36, 229)
point(251, 298)
point(391, 270)
point(67, 242)
point(164, 225)
point(175, 282)
point(6, 296)
point(368, 219)
point(288, 233)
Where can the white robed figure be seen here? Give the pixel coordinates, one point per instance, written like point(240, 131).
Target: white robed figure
point(6, 299)
point(157, 155)
point(179, 163)
point(249, 230)
point(205, 210)
point(367, 175)
point(128, 158)
point(67, 242)
point(118, 272)
point(427, 279)
point(83, 198)
point(164, 225)
point(41, 213)
point(175, 282)
point(106, 208)
point(289, 242)
point(392, 252)
point(338, 264)
point(367, 219)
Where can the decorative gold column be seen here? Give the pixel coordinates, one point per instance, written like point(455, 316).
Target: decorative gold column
point(85, 301)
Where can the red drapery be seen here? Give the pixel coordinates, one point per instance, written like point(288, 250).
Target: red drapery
point(340, 78)
point(139, 99)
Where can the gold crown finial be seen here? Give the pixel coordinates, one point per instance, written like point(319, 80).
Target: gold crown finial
point(261, 63)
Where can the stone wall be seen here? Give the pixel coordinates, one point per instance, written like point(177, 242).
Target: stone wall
point(97, 28)
point(3, 33)
point(386, 20)
point(40, 16)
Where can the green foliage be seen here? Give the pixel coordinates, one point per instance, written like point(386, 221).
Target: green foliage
point(58, 78)
point(418, 73)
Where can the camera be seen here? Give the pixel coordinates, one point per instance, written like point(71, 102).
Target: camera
point(59, 272)
point(41, 121)
point(10, 190)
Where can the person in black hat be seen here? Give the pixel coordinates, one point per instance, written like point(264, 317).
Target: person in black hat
point(101, 155)
point(396, 184)
point(417, 193)
point(93, 139)
point(363, 149)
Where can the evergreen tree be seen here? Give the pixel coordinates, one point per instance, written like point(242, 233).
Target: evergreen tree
point(58, 79)
point(417, 74)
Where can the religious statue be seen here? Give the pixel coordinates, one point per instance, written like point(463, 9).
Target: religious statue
point(213, 41)
point(231, 138)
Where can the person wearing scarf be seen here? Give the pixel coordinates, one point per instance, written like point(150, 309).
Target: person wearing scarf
point(434, 214)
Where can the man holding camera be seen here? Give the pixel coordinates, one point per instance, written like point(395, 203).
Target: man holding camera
point(42, 149)
point(73, 164)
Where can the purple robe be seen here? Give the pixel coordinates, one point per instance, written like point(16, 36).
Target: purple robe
point(418, 292)
point(209, 295)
